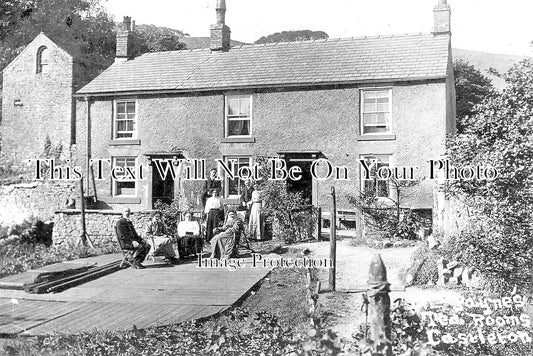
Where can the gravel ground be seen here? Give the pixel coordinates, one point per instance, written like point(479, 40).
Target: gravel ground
point(342, 311)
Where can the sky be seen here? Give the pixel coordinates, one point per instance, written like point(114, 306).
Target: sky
point(503, 27)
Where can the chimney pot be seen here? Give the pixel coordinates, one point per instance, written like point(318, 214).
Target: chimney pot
point(442, 18)
point(220, 33)
point(124, 40)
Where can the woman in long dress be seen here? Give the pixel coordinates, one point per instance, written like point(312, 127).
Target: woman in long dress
point(212, 210)
point(254, 226)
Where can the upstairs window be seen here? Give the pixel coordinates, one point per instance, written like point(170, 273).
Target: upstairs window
point(376, 111)
point(125, 121)
point(238, 121)
point(380, 187)
point(42, 60)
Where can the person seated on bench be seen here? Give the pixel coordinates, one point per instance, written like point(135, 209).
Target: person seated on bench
point(158, 240)
point(224, 244)
point(189, 234)
point(134, 247)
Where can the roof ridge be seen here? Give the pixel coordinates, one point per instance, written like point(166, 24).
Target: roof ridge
point(331, 39)
point(280, 43)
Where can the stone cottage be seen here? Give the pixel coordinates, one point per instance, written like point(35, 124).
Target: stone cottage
point(389, 98)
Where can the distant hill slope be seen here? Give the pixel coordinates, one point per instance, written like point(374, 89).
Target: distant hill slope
point(483, 61)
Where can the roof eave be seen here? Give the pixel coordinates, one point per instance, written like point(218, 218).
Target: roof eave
point(82, 94)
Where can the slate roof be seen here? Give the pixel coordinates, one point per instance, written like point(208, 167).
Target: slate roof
point(319, 62)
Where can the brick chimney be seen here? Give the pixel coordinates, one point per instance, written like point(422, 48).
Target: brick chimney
point(220, 33)
point(442, 14)
point(124, 40)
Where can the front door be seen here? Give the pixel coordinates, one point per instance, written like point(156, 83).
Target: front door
point(162, 189)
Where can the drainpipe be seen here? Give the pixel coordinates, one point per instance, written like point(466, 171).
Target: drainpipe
point(88, 151)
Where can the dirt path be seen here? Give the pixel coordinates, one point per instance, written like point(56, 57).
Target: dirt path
point(342, 311)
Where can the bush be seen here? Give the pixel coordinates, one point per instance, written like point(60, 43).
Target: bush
point(296, 219)
point(498, 136)
point(410, 331)
point(237, 332)
point(501, 254)
point(423, 267)
point(10, 171)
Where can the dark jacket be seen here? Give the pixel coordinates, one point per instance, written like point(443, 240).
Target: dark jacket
point(126, 234)
point(211, 184)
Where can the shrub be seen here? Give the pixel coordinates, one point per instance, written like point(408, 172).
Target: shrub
point(502, 254)
point(423, 267)
point(296, 219)
point(498, 136)
point(10, 171)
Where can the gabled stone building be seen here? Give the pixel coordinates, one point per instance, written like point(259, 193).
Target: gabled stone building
point(385, 97)
point(37, 97)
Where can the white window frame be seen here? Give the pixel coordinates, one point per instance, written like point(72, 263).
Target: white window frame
point(116, 182)
point(362, 110)
point(40, 65)
point(226, 178)
point(362, 171)
point(115, 119)
point(227, 118)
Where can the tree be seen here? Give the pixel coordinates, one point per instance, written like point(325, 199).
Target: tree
point(499, 134)
point(471, 87)
point(150, 38)
point(83, 24)
point(385, 215)
point(11, 13)
point(286, 36)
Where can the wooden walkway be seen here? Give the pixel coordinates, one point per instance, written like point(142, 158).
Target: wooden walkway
point(158, 295)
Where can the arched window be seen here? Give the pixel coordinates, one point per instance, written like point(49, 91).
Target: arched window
point(42, 59)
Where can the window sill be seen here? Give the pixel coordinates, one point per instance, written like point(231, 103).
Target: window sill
point(238, 140)
point(124, 142)
point(123, 200)
point(376, 137)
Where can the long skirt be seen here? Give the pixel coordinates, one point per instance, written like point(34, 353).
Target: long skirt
point(254, 226)
point(212, 223)
point(223, 245)
point(161, 245)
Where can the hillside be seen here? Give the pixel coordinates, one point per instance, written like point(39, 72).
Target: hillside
point(483, 61)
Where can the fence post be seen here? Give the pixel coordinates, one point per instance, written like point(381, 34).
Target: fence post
point(333, 241)
point(379, 308)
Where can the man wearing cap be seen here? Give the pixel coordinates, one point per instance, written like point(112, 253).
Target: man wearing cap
point(134, 247)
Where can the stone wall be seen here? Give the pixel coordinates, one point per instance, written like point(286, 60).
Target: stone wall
point(99, 225)
point(35, 199)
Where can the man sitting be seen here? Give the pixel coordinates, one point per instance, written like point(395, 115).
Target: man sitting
point(134, 247)
point(158, 240)
point(189, 235)
point(224, 244)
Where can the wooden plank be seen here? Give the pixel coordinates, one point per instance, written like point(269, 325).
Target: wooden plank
point(154, 296)
point(28, 314)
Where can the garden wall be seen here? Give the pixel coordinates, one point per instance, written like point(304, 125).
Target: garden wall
point(35, 199)
point(99, 225)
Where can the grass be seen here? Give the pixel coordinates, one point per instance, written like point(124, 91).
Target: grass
point(21, 257)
